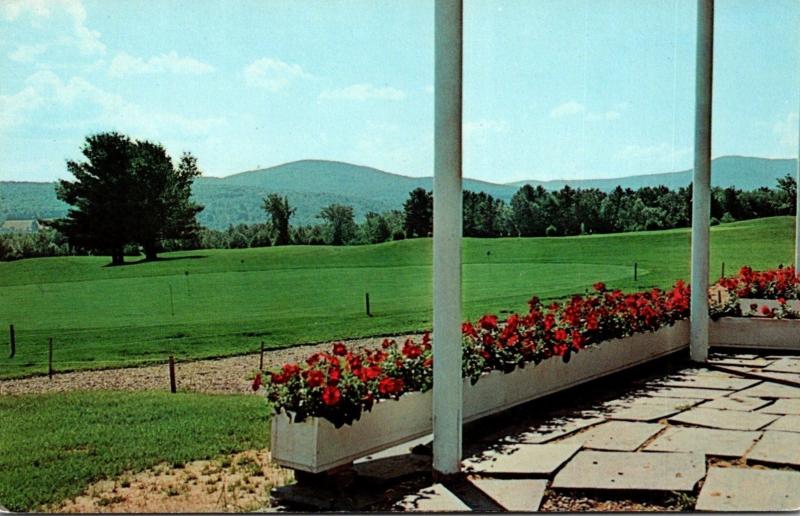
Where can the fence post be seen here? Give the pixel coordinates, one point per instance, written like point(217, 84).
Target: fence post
point(50, 358)
point(261, 360)
point(366, 300)
point(13, 341)
point(635, 271)
point(172, 386)
point(723, 269)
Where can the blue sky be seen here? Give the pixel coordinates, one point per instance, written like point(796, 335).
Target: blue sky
point(552, 89)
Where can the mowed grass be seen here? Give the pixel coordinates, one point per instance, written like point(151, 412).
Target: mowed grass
point(214, 303)
point(52, 446)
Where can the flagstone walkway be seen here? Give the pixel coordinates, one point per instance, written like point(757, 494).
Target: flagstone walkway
point(725, 437)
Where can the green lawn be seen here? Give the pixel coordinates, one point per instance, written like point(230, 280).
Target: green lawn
point(223, 302)
point(53, 446)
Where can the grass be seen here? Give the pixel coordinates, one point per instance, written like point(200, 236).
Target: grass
point(214, 303)
point(52, 446)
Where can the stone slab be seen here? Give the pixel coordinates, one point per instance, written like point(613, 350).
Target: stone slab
point(650, 409)
point(399, 450)
point(513, 494)
point(743, 403)
point(744, 362)
point(724, 419)
point(789, 423)
point(616, 435)
point(708, 382)
point(522, 459)
point(553, 430)
point(771, 390)
point(784, 365)
point(745, 489)
point(631, 471)
point(783, 406)
point(784, 377)
point(777, 448)
point(708, 441)
point(436, 498)
point(685, 392)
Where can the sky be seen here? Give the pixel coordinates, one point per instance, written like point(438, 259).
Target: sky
point(553, 89)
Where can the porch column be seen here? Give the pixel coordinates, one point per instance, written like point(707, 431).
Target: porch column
point(447, 384)
point(701, 181)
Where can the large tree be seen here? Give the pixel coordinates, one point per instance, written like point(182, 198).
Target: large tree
point(341, 225)
point(418, 210)
point(127, 192)
point(280, 212)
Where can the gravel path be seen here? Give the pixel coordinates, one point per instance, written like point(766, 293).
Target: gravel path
point(224, 375)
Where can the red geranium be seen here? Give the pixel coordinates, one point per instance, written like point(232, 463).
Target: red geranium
point(339, 349)
point(331, 395)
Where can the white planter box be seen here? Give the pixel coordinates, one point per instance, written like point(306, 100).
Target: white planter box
point(755, 332)
point(315, 445)
point(745, 303)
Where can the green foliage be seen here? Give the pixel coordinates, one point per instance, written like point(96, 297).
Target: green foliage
point(53, 446)
point(226, 301)
point(340, 224)
point(418, 210)
point(127, 192)
point(279, 212)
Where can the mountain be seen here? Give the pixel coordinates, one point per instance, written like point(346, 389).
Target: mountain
point(312, 184)
point(744, 173)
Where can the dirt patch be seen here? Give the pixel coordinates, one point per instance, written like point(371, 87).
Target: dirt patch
point(235, 483)
point(225, 375)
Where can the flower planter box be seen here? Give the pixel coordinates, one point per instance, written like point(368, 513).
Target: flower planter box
point(755, 333)
point(745, 303)
point(315, 445)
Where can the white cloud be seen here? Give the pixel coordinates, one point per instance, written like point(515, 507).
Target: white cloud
point(786, 130)
point(125, 64)
point(567, 109)
point(45, 89)
point(27, 53)
point(272, 74)
point(572, 108)
point(362, 92)
point(86, 40)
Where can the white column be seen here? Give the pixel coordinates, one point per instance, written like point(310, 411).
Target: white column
point(701, 182)
point(447, 383)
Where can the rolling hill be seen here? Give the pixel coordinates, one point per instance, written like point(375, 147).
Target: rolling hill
point(313, 184)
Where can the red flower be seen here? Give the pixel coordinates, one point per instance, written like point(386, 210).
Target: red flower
point(291, 370)
point(390, 386)
point(387, 343)
point(599, 286)
point(334, 375)
point(314, 378)
point(561, 334)
point(256, 382)
point(331, 395)
point(339, 349)
point(781, 301)
point(411, 350)
point(468, 329)
point(428, 362)
point(488, 322)
point(765, 310)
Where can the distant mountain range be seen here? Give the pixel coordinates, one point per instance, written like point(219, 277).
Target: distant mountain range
point(312, 184)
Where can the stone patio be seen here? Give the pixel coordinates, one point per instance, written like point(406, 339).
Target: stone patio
point(705, 438)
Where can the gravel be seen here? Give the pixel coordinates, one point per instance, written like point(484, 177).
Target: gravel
point(231, 375)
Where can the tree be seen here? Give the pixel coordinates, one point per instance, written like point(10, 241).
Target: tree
point(280, 212)
point(418, 210)
point(376, 228)
point(162, 197)
point(341, 223)
point(99, 219)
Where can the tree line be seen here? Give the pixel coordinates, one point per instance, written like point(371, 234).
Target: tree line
point(128, 198)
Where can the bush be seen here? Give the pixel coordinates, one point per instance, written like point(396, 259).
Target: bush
point(727, 218)
point(714, 221)
point(550, 231)
point(398, 235)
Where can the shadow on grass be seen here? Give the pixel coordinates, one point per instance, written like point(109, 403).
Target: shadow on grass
point(167, 259)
